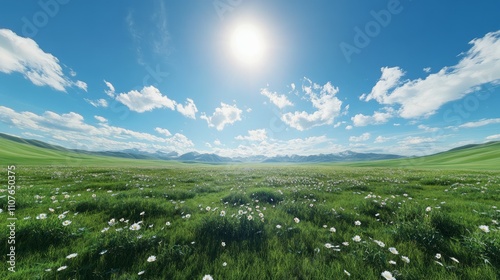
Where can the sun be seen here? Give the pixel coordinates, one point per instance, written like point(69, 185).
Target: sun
point(248, 44)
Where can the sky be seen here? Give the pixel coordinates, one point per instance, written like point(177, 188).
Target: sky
point(251, 77)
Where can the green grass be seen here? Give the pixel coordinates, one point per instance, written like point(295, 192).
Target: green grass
point(480, 157)
point(187, 211)
point(262, 240)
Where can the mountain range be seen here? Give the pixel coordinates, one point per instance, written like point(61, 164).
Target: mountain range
point(345, 156)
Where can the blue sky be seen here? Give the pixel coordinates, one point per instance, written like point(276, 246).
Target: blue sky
point(251, 77)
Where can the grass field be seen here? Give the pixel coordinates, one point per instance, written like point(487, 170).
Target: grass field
point(293, 222)
point(90, 217)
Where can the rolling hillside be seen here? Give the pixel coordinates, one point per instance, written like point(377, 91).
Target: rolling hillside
point(14, 150)
point(19, 151)
point(482, 156)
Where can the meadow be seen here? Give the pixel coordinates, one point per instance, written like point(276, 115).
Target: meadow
point(252, 221)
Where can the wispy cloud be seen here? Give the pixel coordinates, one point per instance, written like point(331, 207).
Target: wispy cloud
point(97, 103)
point(111, 89)
point(189, 110)
point(479, 66)
point(163, 131)
point(480, 123)
point(223, 115)
point(280, 100)
point(381, 139)
point(493, 137)
point(101, 119)
point(427, 128)
point(23, 55)
point(150, 34)
point(79, 134)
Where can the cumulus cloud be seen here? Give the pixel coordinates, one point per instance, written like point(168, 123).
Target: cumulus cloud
point(280, 100)
point(479, 66)
point(376, 118)
point(189, 110)
point(224, 115)
point(23, 55)
point(148, 99)
point(363, 137)
point(254, 135)
point(323, 99)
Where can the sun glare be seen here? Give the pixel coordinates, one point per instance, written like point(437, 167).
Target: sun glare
point(247, 44)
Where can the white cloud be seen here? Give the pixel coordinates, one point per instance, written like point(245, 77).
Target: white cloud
point(148, 99)
point(79, 134)
point(97, 103)
point(381, 139)
point(479, 123)
point(427, 69)
point(163, 131)
point(416, 140)
point(479, 66)
point(280, 100)
point(189, 110)
point(254, 135)
point(23, 55)
point(272, 147)
point(427, 128)
point(349, 127)
point(82, 85)
point(327, 104)
point(224, 115)
point(217, 142)
point(111, 89)
point(101, 119)
point(363, 137)
point(493, 137)
point(180, 142)
point(377, 118)
point(390, 78)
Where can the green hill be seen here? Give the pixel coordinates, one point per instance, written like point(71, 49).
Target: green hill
point(482, 156)
point(15, 150)
point(19, 151)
